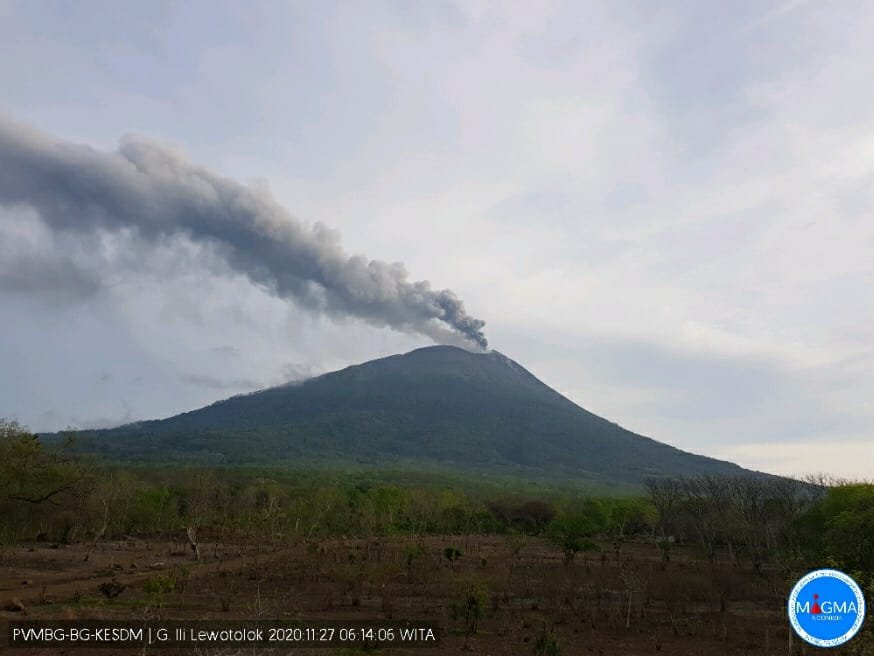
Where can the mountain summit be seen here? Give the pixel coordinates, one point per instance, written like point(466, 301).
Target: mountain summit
point(437, 406)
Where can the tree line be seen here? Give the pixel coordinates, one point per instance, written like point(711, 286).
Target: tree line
point(48, 492)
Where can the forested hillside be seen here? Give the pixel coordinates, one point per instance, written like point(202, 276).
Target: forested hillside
point(440, 406)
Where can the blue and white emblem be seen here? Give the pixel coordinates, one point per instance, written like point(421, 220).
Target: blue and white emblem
point(826, 608)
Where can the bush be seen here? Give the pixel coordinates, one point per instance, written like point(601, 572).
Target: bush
point(575, 532)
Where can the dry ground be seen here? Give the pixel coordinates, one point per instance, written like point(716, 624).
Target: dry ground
point(605, 604)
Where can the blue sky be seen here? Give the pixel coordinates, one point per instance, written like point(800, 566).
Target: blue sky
point(664, 210)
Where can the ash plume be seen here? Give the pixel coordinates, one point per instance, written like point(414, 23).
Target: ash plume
point(154, 191)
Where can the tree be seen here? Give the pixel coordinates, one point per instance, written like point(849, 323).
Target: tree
point(34, 475)
point(665, 494)
point(198, 502)
point(531, 517)
point(574, 532)
point(469, 606)
point(629, 517)
point(706, 506)
point(849, 526)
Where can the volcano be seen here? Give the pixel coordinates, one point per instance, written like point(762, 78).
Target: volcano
point(436, 407)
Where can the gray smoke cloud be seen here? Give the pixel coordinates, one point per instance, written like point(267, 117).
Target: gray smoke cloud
point(149, 188)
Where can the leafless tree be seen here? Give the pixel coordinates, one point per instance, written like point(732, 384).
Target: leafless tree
point(665, 494)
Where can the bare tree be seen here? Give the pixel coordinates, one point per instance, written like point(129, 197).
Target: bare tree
point(665, 494)
point(707, 505)
point(198, 502)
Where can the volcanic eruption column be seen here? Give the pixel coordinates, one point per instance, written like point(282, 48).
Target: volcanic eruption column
point(156, 192)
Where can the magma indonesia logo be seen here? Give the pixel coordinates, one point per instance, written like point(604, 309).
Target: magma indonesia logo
point(826, 608)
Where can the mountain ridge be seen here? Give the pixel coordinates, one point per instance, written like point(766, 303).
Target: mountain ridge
point(439, 406)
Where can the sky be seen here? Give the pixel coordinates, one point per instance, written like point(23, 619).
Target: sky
point(663, 210)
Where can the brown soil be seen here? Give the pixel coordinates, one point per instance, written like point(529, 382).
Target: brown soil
point(602, 605)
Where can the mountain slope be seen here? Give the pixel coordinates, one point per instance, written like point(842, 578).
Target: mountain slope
point(437, 406)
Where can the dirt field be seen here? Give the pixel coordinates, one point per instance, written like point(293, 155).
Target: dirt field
point(500, 596)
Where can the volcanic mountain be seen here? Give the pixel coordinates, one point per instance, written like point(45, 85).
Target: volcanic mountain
point(439, 406)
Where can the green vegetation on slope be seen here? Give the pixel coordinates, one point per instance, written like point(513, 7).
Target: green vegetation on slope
point(437, 407)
